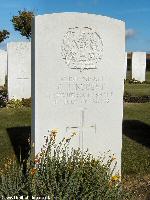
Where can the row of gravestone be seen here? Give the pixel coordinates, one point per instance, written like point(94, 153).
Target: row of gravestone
point(138, 66)
point(77, 79)
point(16, 65)
point(19, 68)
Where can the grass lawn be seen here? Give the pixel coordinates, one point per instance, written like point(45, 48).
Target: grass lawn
point(14, 130)
point(136, 139)
point(137, 89)
point(148, 76)
point(136, 148)
point(17, 122)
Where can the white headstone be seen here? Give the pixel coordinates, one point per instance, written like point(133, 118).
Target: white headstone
point(125, 67)
point(77, 80)
point(3, 66)
point(19, 70)
point(139, 66)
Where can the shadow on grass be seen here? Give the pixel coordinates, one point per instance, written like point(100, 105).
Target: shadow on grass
point(20, 137)
point(138, 131)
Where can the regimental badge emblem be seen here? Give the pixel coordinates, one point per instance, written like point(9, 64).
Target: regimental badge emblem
point(82, 48)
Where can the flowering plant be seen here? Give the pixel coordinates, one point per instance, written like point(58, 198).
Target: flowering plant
point(59, 172)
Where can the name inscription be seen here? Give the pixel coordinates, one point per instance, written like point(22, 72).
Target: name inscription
point(81, 90)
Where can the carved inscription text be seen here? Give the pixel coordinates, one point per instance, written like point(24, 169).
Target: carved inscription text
point(81, 90)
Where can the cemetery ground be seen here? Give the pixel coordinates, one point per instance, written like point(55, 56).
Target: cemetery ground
point(15, 128)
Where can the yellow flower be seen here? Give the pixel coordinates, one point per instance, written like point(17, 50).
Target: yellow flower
point(37, 160)
point(115, 178)
point(73, 134)
point(113, 157)
point(53, 133)
point(54, 130)
point(33, 171)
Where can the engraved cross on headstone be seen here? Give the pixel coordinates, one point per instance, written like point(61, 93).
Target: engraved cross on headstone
point(82, 128)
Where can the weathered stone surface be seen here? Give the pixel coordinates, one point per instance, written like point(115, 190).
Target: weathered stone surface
point(139, 65)
point(125, 67)
point(3, 66)
point(19, 70)
point(77, 80)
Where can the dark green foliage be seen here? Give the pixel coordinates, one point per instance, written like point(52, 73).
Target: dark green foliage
point(22, 23)
point(12, 180)
point(3, 97)
point(136, 99)
point(26, 102)
point(16, 103)
point(58, 173)
point(4, 34)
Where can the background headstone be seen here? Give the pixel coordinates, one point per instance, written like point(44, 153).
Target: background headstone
point(126, 63)
point(19, 70)
point(3, 66)
point(77, 80)
point(139, 66)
